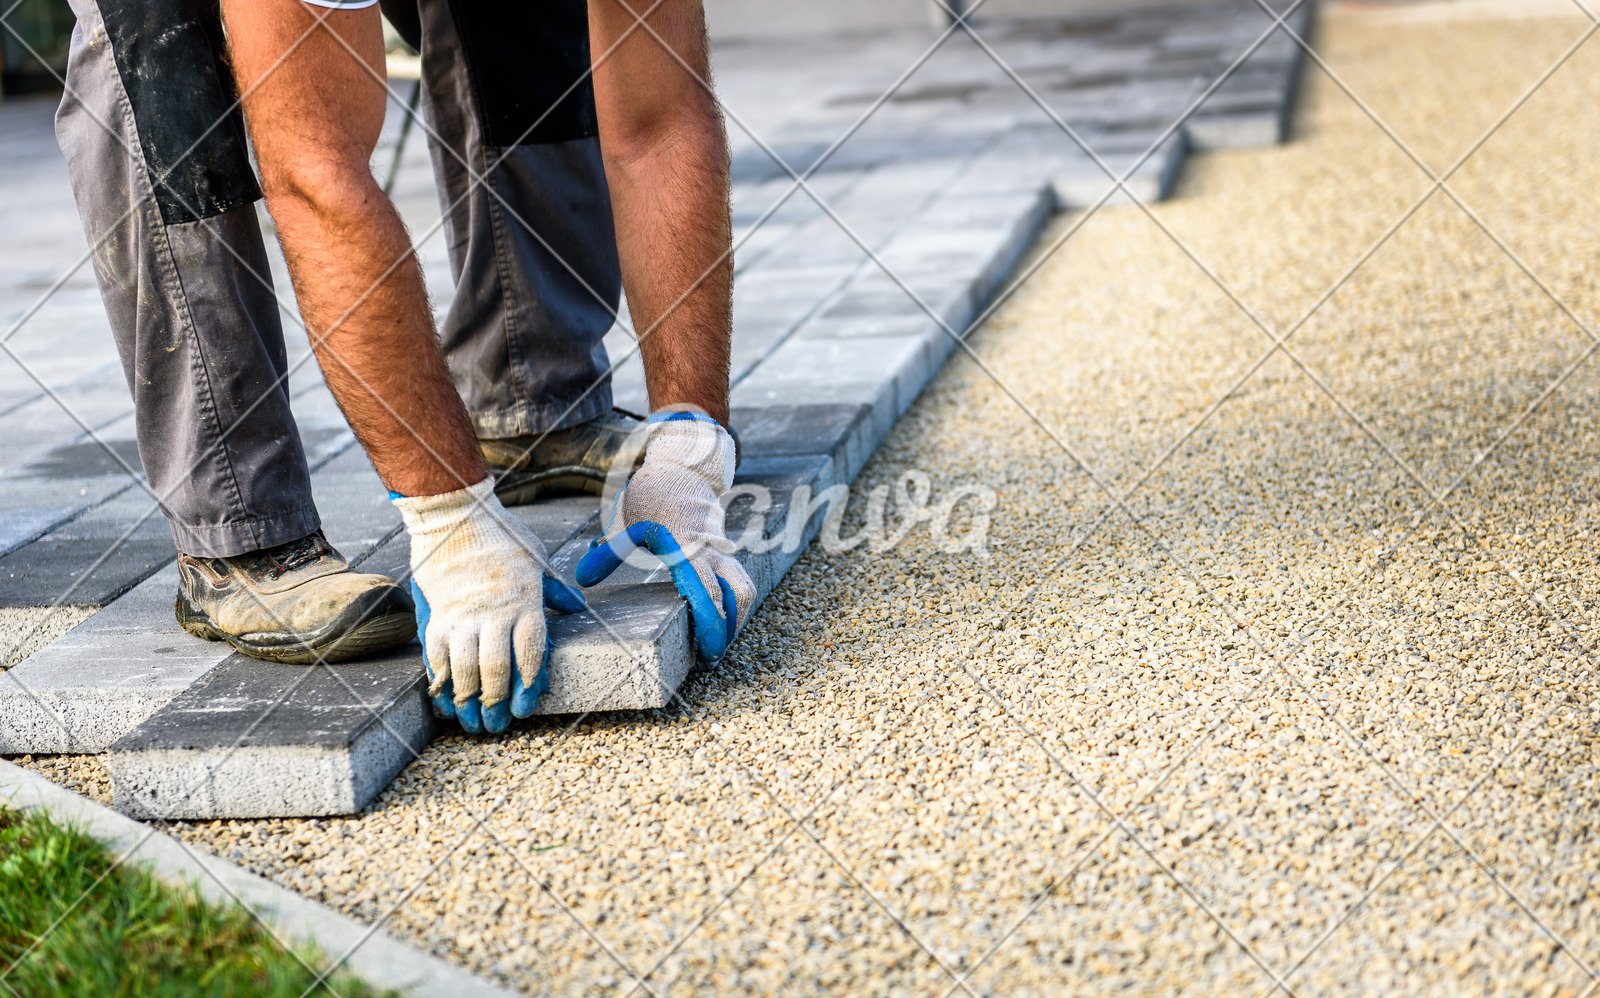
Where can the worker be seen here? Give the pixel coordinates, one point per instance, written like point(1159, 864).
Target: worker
point(205, 357)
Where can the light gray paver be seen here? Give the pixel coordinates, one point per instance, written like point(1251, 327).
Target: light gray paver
point(1085, 183)
point(195, 759)
point(946, 184)
point(104, 677)
point(107, 675)
point(254, 739)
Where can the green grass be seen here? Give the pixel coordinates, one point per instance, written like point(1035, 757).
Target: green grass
point(130, 934)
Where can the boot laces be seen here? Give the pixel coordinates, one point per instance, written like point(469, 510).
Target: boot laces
point(295, 554)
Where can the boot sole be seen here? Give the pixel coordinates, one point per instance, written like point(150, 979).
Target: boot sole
point(335, 644)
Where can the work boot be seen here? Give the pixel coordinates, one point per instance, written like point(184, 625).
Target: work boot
point(562, 462)
point(298, 602)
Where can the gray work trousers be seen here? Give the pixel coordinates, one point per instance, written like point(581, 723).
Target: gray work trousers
point(156, 150)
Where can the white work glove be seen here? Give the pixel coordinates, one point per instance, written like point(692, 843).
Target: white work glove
point(672, 507)
point(480, 581)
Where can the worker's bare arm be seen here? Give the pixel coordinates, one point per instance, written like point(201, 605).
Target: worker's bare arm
point(666, 159)
point(314, 102)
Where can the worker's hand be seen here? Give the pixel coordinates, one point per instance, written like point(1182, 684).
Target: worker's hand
point(480, 580)
point(672, 507)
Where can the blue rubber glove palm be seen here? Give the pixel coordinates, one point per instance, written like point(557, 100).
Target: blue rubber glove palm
point(672, 508)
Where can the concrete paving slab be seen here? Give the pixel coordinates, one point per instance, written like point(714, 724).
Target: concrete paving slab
point(255, 739)
point(259, 739)
point(1237, 128)
point(118, 667)
point(1085, 183)
point(633, 650)
point(830, 371)
point(795, 430)
point(62, 482)
point(91, 559)
point(28, 518)
point(947, 183)
point(105, 676)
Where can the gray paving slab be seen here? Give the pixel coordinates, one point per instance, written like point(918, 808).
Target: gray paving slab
point(56, 415)
point(90, 504)
point(845, 322)
point(251, 739)
point(1251, 108)
point(946, 183)
point(773, 302)
point(797, 430)
point(104, 677)
point(122, 664)
point(858, 371)
point(91, 559)
point(1151, 179)
point(73, 373)
point(256, 739)
point(77, 462)
point(632, 651)
point(897, 292)
point(65, 481)
point(1237, 128)
point(28, 517)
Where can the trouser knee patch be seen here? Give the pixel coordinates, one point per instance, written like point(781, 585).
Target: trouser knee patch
point(524, 59)
point(171, 58)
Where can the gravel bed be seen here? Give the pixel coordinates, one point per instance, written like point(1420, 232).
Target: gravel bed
point(1198, 736)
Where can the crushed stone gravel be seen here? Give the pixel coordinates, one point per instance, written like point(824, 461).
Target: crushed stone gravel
point(1313, 700)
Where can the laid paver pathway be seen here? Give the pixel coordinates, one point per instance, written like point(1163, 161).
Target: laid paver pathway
point(923, 192)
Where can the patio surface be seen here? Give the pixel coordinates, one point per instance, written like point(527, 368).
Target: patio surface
point(884, 188)
point(1278, 675)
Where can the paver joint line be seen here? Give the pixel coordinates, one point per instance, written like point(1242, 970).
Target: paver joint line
point(900, 399)
point(884, 408)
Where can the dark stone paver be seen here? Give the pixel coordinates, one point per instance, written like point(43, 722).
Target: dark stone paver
point(946, 184)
